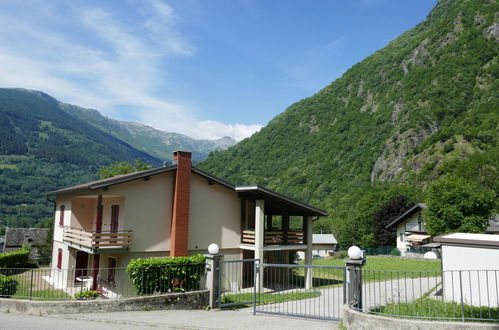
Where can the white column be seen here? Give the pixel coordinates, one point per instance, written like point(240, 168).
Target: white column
point(259, 237)
point(308, 252)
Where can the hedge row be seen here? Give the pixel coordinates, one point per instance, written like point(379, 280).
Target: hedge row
point(163, 275)
point(15, 259)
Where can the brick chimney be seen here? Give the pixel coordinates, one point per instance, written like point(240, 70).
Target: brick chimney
point(180, 217)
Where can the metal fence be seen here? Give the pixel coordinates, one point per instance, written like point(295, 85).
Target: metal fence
point(284, 291)
point(236, 286)
point(471, 295)
point(112, 283)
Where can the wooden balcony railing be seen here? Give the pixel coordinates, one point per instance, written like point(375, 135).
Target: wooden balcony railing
point(274, 237)
point(94, 240)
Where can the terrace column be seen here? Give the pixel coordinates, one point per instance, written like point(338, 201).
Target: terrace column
point(259, 237)
point(308, 251)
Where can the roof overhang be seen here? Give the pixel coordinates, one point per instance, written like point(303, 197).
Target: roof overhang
point(277, 204)
point(408, 213)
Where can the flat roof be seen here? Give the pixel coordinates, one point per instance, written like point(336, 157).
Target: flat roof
point(469, 239)
point(276, 202)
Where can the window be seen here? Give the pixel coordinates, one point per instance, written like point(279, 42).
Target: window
point(111, 271)
point(62, 208)
point(401, 237)
point(59, 258)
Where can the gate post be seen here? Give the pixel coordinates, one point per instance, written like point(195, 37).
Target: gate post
point(213, 280)
point(354, 277)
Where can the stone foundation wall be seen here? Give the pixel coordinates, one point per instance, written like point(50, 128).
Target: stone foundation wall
point(188, 300)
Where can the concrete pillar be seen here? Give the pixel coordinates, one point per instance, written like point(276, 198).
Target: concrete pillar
point(213, 278)
point(308, 251)
point(259, 237)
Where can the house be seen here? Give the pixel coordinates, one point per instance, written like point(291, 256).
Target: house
point(174, 210)
point(410, 229)
point(15, 238)
point(322, 245)
point(470, 267)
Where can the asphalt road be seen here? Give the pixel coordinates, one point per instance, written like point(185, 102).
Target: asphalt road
point(172, 319)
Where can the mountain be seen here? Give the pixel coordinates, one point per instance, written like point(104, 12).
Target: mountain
point(408, 114)
point(46, 145)
point(155, 142)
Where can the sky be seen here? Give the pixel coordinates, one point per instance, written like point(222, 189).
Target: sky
point(204, 68)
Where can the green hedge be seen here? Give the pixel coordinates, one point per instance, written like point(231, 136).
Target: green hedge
point(166, 274)
point(8, 286)
point(15, 259)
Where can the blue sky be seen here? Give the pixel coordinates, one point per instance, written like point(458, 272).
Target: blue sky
point(205, 68)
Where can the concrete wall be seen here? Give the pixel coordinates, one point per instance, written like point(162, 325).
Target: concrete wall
point(189, 300)
point(364, 321)
point(479, 272)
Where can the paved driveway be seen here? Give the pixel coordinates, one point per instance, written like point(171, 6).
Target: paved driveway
point(171, 319)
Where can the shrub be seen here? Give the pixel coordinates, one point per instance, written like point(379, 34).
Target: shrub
point(342, 254)
point(87, 295)
point(8, 286)
point(166, 274)
point(395, 252)
point(16, 259)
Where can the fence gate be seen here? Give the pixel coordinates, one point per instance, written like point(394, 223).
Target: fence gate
point(285, 290)
point(236, 282)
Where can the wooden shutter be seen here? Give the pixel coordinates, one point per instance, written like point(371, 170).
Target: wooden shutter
point(61, 215)
point(59, 258)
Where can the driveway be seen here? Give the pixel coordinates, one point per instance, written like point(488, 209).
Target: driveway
point(171, 319)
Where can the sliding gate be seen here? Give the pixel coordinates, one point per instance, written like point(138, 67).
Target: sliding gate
point(283, 289)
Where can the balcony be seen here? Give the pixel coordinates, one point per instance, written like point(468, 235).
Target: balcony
point(274, 237)
point(95, 243)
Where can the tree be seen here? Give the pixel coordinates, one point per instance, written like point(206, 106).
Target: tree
point(386, 214)
point(456, 204)
point(120, 168)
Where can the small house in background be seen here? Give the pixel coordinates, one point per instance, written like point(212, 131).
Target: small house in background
point(411, 232)
point(2, 241)
point(322, 245)
point(15, 238)
point(470, 266)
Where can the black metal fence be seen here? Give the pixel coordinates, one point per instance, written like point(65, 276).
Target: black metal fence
point(465, 295)
point(111, 283)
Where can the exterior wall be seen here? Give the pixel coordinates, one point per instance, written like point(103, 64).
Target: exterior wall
point(479, 288)
point(215, 213)
point(66, 201)
point(147, 210)
point(83, 212)
point(412, 223)
point(61, 278)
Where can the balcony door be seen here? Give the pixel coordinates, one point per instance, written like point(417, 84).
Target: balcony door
point(81, 263)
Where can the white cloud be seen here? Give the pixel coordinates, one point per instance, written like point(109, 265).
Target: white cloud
point(120, 71)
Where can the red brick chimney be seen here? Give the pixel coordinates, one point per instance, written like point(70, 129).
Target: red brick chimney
point(180, 217)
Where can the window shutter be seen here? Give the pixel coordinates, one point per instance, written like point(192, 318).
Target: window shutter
point(59, 258)
point(61, 215)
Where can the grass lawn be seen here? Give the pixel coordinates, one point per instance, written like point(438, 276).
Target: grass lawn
point(37, 288)
point(268, 298)
point(377, 268)
point(432, 308)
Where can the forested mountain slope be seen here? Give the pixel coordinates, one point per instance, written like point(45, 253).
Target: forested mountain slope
point(408, 114)
point(43, 148)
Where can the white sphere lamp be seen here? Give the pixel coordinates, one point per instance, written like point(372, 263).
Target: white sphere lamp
point(354, 252)
point(213, 248)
